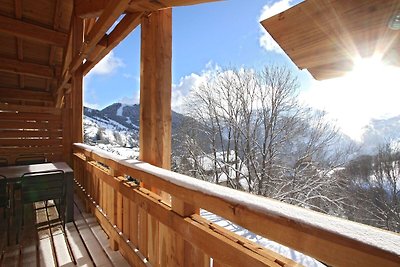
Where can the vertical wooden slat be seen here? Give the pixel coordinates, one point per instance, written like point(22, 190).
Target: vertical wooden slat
point(133, 223)
point(196, 257)
point(142, 232)
point(126, 216)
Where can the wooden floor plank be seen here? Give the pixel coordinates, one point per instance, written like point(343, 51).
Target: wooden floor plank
point(29, 255)
point(29, 240)
point(45, 252)
point(95, 249)
point(78, 248)
point(11, 256)
point(115, 257)
point(63, 257)
point(42, 241)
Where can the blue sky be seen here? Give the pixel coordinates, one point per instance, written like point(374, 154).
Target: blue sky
point(222, 33)
point(228, 33)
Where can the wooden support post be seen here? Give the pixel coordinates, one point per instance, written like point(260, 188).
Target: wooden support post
point(77, 80)
point(155, 89)
point(165, 247)
point(67, 129)
point(155, 113)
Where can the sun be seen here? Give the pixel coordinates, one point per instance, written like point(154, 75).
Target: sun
point(370, 90)
point(372, 74)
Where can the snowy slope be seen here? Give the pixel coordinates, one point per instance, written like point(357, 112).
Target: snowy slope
point(110, 135)
point(380, 131)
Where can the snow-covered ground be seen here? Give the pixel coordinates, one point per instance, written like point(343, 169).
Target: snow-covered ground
point(125, 152)
point(111, 136)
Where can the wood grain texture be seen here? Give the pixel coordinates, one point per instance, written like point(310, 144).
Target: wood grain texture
point(326, 37)
point(304, 237)
point(27, 68)
point(30, 31)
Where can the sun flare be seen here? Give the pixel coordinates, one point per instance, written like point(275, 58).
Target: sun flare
point(370, 90)
point(371, 74)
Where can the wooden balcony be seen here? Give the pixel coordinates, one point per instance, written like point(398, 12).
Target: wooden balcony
point(42, 241)
point(139, 221)
point(46, 49)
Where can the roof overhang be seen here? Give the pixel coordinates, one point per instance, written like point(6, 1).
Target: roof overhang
point(327, 37)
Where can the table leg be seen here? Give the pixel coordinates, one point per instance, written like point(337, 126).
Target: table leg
point(70, 197)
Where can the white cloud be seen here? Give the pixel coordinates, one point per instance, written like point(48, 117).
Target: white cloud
point(187, 83)
point(92, 106)
point(130, 100)
point(266, 41)
point(107, 65)
point(181, 90)
point(357, 98)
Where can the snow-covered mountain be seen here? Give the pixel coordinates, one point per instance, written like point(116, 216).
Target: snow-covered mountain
point(116, 128)
point(379, 132)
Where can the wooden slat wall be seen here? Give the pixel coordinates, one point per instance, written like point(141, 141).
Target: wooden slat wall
point(26, 130)
point(120, 207)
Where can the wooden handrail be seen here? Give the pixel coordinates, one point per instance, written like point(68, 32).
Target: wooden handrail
point(332, 240)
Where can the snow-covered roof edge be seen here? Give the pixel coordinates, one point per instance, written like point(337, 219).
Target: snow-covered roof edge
point(372, 236)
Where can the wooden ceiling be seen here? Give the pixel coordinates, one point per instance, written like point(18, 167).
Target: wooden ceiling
point(36, 40)
point(327, 36)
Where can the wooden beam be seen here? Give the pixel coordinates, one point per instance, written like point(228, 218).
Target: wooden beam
point(77, 84)
point(32, 69)
point(94, 8)
point(123, 28)
point(58, 14)
point(65, 74)
point(89, 8)
point(25, 108)
point(32, 32)
point(97, 50)
point(148, 5)
point(29, 95)
point(111, 13)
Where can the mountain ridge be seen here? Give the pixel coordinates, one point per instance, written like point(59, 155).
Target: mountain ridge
point(118, 125)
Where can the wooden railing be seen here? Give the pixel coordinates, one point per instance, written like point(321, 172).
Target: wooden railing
point(147, 231)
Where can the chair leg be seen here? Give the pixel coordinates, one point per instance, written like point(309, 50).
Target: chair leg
point(22, 214)
point(8, 228)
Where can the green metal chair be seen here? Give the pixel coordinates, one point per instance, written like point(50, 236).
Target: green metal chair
point(5, 202)
point(44, 186)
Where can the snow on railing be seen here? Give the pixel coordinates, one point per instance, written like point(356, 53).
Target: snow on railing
point(332, 240)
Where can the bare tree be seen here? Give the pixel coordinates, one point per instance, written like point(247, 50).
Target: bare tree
point(374, 187)
point(261, 139)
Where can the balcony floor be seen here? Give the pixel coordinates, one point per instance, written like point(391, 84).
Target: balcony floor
point(43, 243)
